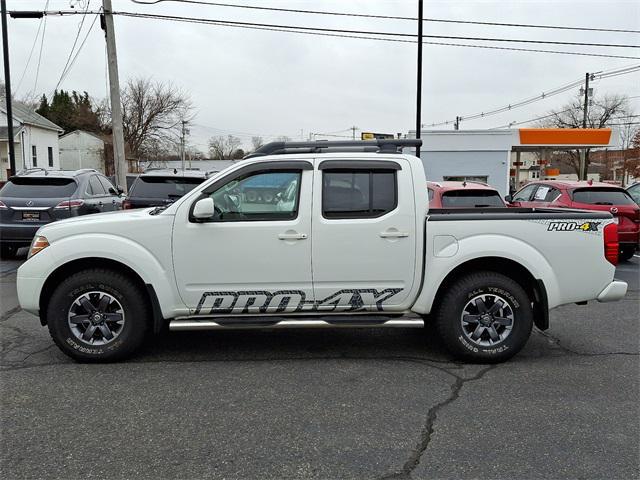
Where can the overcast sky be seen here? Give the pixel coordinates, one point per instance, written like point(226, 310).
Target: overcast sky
point(249, 82)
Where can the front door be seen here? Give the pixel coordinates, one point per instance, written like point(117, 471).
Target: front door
point(254, 255)
point(364, 235)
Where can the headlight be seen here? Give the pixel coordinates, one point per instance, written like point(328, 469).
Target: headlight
point(39, 243)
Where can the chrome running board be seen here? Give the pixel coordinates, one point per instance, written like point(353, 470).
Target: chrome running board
point(194, 324)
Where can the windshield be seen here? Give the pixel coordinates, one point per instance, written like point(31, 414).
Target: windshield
point(163, 187)
point(471, 198)
point(602, 196)
point(39, 187)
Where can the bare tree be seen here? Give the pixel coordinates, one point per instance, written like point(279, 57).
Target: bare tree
point(223, 147)
point(152, 112)
point(256, 142)
point(600, 114)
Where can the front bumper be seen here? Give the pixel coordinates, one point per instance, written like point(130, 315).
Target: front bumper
point(614, 291)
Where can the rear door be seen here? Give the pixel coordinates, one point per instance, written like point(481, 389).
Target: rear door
point(112, 200)
point(97, 200)
point(364, 238)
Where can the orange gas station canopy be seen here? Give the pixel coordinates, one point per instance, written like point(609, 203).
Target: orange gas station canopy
point(579, 137)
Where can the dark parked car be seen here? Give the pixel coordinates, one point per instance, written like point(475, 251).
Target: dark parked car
point(160, 187)
point(35, 197)
point(587, 195)
point(463, 195)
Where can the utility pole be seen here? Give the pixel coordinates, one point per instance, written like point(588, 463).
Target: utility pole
point(7, 86)
point(353, 130)
point(119, 161)
point(419, 78)
point(585, 113)
point(182, 144)
point(456, 125)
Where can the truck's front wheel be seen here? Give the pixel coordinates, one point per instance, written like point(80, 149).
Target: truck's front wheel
point(98, 315)
point(484, 317)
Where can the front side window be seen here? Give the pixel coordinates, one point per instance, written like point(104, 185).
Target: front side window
point(95, 187)
point(34, 156)
point(259, 196)
point(50, 155)
point(358, 193)
point(525, 194)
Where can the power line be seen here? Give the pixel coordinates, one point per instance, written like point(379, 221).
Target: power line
point(33, 47)
point(44, 30)
point(73, 61)
point(369, 32)
point(542, 96)
point(392, 17)
point(75, 41)
point(304, 29)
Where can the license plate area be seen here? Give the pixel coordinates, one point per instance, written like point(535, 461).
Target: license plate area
point(31, 216)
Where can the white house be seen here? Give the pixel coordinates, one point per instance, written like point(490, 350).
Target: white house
point(81, 149)
point(35, 140)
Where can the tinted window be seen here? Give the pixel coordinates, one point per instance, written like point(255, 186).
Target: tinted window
point(163, 187)
point(95, 187)
point(50, 155)
point(524, 194)
point(106, 184)
point(602, 196)
point(358, 194)
point(39, 188)
point(634, 191)
point(241, 199)
point(471, 198)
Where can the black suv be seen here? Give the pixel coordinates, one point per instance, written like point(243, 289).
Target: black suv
point(35, 197)
point(162, 186)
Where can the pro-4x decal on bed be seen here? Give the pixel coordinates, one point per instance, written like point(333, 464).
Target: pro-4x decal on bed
point(288, 301)
point(571, 226)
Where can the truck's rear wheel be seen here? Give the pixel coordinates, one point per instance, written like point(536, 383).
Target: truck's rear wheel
point(484, 317)
point(98, 315)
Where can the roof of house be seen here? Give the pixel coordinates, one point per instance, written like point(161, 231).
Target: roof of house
point(4, 133)
point(85, 132)
point(26, 115)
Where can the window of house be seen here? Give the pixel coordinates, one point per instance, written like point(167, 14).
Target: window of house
point(259, 196)
point(34, 156)
point(358, 193)
point(50, 155)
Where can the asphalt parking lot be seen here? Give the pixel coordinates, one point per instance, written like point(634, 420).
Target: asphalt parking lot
point(369, 404)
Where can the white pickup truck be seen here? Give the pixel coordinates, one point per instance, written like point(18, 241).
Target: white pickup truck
point(326, 234)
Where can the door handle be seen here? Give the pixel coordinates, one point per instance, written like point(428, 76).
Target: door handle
point(292, 236)
point(100, 204)
point(393, 234)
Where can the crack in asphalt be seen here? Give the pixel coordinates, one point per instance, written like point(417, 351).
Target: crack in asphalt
point(558, 343)
point(428, 428)
point(9, 313)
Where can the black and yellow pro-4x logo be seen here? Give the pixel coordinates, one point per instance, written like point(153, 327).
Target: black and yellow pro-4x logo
point(572, 226)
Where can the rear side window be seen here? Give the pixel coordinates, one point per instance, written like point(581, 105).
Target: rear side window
point(471, 198)
point(95, 187)
point(358, 193)
point(39, 188)
point(163, 187)
point(602, 196)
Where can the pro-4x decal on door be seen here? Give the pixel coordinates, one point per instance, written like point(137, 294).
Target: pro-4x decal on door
point(288, 301)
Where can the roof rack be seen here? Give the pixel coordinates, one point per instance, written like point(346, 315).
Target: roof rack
point(323, 146)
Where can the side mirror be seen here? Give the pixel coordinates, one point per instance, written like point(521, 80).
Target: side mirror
point(203, 209)
point(508, 198)
point(120, 190)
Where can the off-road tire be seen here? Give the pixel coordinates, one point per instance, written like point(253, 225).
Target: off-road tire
point(7, 251)
point(127, 292)
point(448, 315)
point(626, 253)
